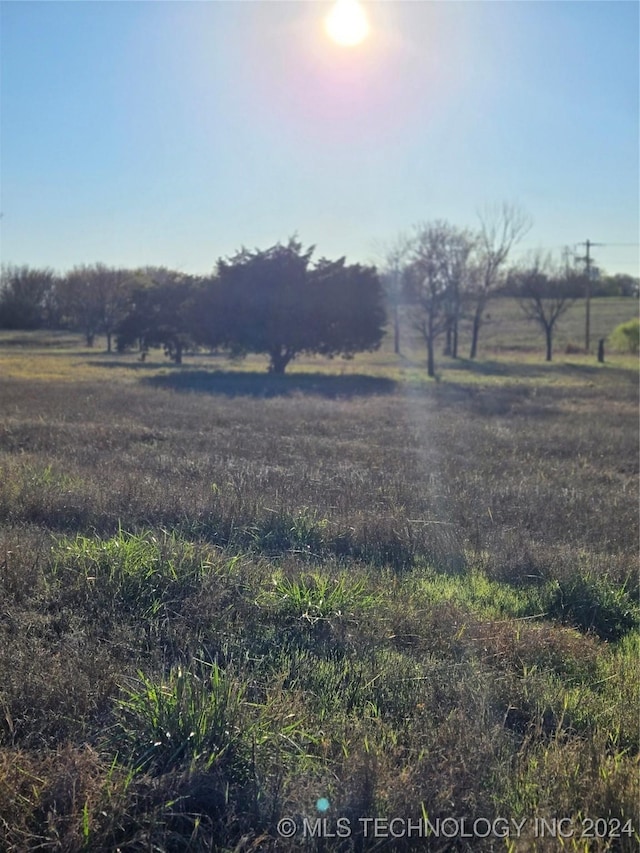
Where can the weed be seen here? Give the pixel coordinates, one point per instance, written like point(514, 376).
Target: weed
point(191, 717)
point(315, 596)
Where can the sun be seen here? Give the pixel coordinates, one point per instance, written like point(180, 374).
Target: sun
point(347, 23)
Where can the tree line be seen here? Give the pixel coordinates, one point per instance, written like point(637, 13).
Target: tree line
point(281, 302)
point(277, 302)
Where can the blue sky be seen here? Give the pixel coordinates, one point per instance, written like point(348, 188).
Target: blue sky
point(172, 133)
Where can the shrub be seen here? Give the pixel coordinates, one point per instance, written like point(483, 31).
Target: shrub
point(626, 336)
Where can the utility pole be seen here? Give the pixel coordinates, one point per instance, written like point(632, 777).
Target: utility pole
point(587, 261)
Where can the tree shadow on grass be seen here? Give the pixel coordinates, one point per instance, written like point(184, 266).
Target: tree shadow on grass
point(529, 370)
point(533, 391)
point(261, 385)
point(114, 361)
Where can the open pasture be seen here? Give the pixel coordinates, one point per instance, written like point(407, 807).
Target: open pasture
point(227, 596)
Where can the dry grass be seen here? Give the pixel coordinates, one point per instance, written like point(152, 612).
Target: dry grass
point(420, 598)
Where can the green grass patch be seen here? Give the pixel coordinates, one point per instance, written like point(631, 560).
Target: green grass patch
point(593, 603)
point(140, 574)
point(486, 598)
point(316, 596)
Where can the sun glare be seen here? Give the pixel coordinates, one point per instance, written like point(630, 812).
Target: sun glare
point(347, 23)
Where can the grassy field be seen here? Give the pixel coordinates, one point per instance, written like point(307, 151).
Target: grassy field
point(230, 600)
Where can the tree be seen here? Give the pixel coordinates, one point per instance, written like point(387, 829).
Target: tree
point(435, 279)
point(545, 293)
point(26, 297)
point(395, 259)
point(95, 300)
point(112, 290)
point(346, 308)
point(161, 313)
point(462, 249)
point(500, 229)
point(619, 284)
point(274, 302)
point(79, 307)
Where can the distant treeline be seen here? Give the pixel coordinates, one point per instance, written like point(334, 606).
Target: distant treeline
point(281, 303)
point(275, 302)
point(617, 285)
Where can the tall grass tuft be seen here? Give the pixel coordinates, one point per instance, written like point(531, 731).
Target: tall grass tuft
point(134, 572)
point(192, 717)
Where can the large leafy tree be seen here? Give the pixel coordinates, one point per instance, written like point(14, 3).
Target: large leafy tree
point(274, 302)
point(162, 313)
point(347, 308)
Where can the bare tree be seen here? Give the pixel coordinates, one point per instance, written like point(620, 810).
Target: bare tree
point(461, 280)
point(113, 287)
point(501, 227)
point(80, 310)
point(26, 297)
point(545, 292)
point(95, 299)
point(395, 258)
point(435, 278)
